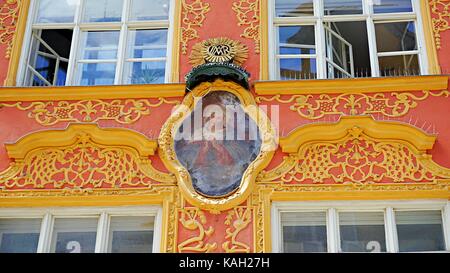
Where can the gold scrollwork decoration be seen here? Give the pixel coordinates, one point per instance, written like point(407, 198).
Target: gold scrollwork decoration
point(247, 13)
point(122, 111)
point(9, 13)
point(351, 104)
point(239, 218)
point(193, 14)
point(356, 155)
point(82, 158)
point(194, 219)
point(441, 9)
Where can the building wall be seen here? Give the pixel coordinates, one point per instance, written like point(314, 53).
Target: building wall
point(421, 103)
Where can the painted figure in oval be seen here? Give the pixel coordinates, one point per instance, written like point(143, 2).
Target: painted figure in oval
point(217, 143)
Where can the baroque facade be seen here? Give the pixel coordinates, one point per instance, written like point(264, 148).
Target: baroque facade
point(350, 100)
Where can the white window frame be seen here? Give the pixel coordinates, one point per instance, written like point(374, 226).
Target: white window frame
point(123, 26)
point(318, 22)
point(332, 209)
point(104, 214)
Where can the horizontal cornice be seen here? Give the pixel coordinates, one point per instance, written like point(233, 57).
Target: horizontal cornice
point(360, 85)
point(91, 92)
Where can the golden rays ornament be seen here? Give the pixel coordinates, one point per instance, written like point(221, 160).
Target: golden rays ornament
point(218, 50)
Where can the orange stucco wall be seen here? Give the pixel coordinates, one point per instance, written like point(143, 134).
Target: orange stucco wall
point(432, 114)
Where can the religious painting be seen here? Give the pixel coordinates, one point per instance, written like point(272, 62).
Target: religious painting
point(216, 143)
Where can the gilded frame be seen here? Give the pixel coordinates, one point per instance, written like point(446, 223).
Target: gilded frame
point(168, 156)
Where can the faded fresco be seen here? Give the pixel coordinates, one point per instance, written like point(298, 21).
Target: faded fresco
point(217, 143)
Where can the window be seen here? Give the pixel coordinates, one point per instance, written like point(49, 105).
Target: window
point(19, 235)
point(115, 230)
point(92, 42)
point(329, 39)
point(363, 226)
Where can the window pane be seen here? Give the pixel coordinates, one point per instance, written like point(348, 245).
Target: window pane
point(140, 10)
point(131, 235)
point(145, 72)
point(339, 7)
point(296, 40)
point(399, 36)
point(49, 57)
point(304, 232)
point(74, 235)
point(347, 50)
point(294, 8)
point(362, 232)
point(403, 65)
point(147, 43)
point(389, 6)
point(99, 45)
point(298, 69)
point(56, 11)
point(19, 235)
point(420, 231)
point(97, 73)
point(103, 10)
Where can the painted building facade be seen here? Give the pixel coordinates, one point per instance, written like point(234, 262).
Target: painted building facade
point(350, 100)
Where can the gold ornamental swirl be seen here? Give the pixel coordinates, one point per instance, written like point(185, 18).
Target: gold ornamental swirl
point(9, 14)
point(351, 104)
point(121, 111)
point(81, 167)
point(193, 14)
point(441, 9)
point(238, 219)
point(194, 219)
point(247, 13)
point(354, 159)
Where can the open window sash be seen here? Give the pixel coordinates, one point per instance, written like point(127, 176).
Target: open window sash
point(339, 55)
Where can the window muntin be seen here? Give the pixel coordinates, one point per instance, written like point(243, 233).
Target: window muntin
point(19, 235)
point(366, 226)
point(79, 230)
point(354, 22)
point(90, 21)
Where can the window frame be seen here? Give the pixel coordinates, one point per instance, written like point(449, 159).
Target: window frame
point(333, 208)
point(318, 20)
point(103, 214)
point(124, 27)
